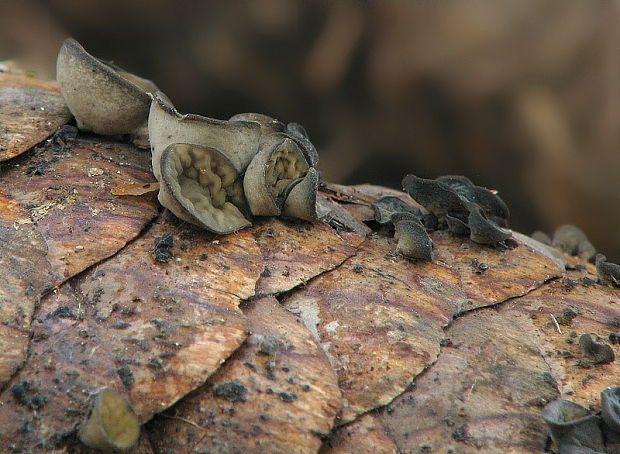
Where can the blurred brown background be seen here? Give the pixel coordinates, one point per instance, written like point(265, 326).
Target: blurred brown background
point(522, 96)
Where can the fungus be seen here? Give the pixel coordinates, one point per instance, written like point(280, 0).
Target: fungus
point(404, 216)
point(571, 427)
point(301, 200)
point(456, 226)
point(387, 206)
point(413, 241)
point(437, 197)
point(112, 424)
point(236, 140)
point(268, 125)
point(298, 133)
point(610, 406)
point(573, 241)
point(102, 97)
point(482, 229)
point(593, 352)
point(201, 186)
point(493, 206)
point(608, 273)
point(272, 174)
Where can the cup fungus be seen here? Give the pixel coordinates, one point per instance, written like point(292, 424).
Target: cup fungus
point(301, 200)
point(413, 241)
point(482, 229)
point(437, 197)
point(608, 273)
point(268, 125)
point(112, 424)
point(272, 174)
point(572, 427)
point(102, 97)
point(610, 406)
point(593, 352)
point(236, 140)
point(387, 206)
point(298, 133)
point(200, 186)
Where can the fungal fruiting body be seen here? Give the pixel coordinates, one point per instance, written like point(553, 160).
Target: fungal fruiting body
point(301, 202)
point(573, 241)
point(385, 207)
point(412, 240)
point(572, 427)
point(272, 173)
point(103, 98)
point(201, 186)
point(236, 140)
point(112, 424)
point(436, 197)
point(482, 229)
point(608, 273)
point(593, 352)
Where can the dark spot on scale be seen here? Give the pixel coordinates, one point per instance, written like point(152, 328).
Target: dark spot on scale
point(231, 391)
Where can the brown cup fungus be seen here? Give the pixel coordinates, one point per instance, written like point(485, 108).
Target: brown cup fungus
point(236, 140)
point(112, 424)
point(272, 174)
point(301, 200)
point(200, 186)
point(103, 98)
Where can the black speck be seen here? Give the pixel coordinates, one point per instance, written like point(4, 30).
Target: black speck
point(266, 272)
point(120, 325)
point(63, 312)
point(231, 390)
point(357, 268)
point(203, 257)
point(163, 245)
point(614, 338)
point(126, 376)
point(459, 434)
point(445, 342)
point(305, 387)
point(287, 397)
point(26, 394)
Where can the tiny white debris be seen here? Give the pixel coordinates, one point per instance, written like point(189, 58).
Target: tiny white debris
point(216, 241)
point(79, 248)
point(95, 172)
point(332, 326)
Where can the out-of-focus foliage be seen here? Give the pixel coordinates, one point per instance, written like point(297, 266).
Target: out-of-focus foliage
point(522, 96)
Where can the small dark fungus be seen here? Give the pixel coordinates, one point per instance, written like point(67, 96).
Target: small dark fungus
point(573, 241)
point(231, 391)
point(572, 426)
point(456, 226)
point(112, 424)
point(608, 273)
point(593, 352)
point(541, 237)
point(405, 216)
point(483, 230)
point(413, 241)
point(387, 206)
point(437, 197)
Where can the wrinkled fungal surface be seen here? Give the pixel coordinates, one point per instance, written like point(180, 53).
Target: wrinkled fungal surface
point(272, 173)
point(201, 186)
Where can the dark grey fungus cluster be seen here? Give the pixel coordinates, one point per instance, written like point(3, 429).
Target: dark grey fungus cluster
point(450, 203)
point(575, 430)
point(215, 174)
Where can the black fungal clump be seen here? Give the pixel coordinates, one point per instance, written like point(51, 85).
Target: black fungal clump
point(26, 394)
point(593, 352)
point(163, 248)
point(452, 203)
point(568, 239)
point(231, 391)
point(574, 429)
point(126, 376)
point(608, 273)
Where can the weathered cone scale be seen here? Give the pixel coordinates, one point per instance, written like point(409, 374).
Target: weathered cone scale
point(103, 98)
point(307, 337)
